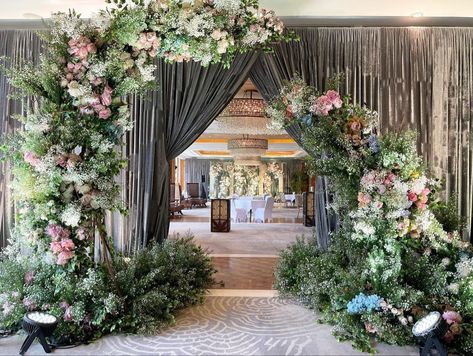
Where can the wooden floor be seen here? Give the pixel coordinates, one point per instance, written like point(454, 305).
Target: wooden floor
point(247, 256)
point(252, 272)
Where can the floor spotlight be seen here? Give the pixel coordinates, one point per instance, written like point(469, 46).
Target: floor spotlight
point(429, 331)
point(38, 325)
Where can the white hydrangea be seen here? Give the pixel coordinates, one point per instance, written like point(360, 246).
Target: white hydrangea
point(364, 228)
point(464, 267)
point(418, 184)
point(71, 215)
point(231, 6)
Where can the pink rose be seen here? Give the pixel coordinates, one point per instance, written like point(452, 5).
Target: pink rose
point(67, 245)
point(322, 105)
point(81, 234)
point(412, 196)
point(105, 113)
point(451, 317)
point(56, 247)
point(363, 199)
point(289, 112)
point(68, 314)
point(106, 97)
point(378, 204)
point(31, 158)
point(64, 257)
point(381, 189)
point(334, 97)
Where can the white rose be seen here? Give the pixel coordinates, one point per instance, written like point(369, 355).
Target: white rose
point(216, 35)
point(222, 46)
point(74, 89)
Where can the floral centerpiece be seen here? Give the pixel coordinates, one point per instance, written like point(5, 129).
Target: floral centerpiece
point(66, 159)
point(391, 261)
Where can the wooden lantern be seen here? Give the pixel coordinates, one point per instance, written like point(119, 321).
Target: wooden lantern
point(308, 209)
point(220, 215)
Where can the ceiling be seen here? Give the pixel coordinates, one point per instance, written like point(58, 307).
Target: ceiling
point(212, 144)
point(21, 9)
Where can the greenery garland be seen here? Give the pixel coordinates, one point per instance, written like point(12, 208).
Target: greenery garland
point(392, 260)
point(65, 161)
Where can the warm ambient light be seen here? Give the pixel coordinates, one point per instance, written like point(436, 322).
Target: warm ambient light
point(417, 14)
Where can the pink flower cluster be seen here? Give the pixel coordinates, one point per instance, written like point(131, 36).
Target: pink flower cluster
point(67, 310)
point(325, 103)
point(268, 19)
point(29, 304)
point(31, 158)
point(81, 47)
point(101, 104)
point(149, 42)
point(29, 278)
point(62, 246)
point(67, 160)
point(454, 320)
point(419, 199)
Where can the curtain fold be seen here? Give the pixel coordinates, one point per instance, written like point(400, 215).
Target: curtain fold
point(417, 78)
point(18, 46)
point(195, 169)
point(168, 121)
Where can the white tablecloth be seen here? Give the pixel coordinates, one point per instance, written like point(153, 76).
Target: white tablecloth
point(290, 197)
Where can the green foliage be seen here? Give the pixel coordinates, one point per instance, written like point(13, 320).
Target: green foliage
point(299, 181)
point(447, 214)
point(144, 295)
point(390, 247)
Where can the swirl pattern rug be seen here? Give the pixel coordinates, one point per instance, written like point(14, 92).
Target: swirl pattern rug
point(226, 326)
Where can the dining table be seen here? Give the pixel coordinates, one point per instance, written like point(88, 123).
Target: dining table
point(249, 205)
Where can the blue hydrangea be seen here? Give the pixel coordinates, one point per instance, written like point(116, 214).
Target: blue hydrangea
point(307, 119)
point(363, 303)
point(373, 143)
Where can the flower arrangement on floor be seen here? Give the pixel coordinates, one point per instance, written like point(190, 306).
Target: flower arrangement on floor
point(391, 261)
point(65, 161)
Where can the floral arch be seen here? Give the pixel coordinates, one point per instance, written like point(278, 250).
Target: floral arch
point(397, 254)
point(61, 258)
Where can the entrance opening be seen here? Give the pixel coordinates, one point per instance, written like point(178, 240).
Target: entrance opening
point(261, 171)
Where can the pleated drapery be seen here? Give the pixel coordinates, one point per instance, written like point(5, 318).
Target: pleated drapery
point(168, 121)
point(416, 78)
point(18, 46)
point(195, 170)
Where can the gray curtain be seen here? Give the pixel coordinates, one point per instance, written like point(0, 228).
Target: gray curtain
point(19, 45)
point(168, 121)
point(195, 169)
point(416, 78)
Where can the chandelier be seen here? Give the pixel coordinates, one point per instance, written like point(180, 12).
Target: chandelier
point(246, 150)
point(245, 107)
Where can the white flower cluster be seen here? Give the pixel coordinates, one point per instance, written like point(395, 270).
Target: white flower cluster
point(464, 267)
point(71, 215)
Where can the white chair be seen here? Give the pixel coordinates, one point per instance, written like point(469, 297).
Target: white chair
point(239, 213)
point(266, 213)
point(257, 204)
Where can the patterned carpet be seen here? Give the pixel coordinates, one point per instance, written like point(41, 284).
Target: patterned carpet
point(226, 325)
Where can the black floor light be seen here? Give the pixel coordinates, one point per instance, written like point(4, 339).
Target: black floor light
point(38, 325)
point(429, 331)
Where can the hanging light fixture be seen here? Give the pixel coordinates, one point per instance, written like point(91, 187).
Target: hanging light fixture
point(245, 107)
point(247, 150)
